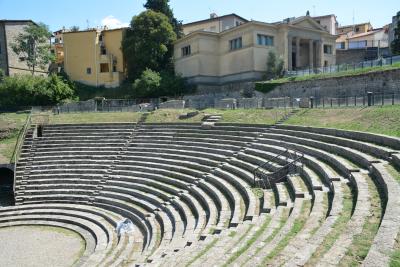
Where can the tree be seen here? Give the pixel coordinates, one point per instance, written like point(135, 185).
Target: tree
point(74, 28)
point(147, 85)
point(275, 66)
point(162, 6)
point(28, 90)
point(395, 45)
point(33, 46)
point(146, 44)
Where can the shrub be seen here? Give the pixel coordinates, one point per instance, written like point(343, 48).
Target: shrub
point(28, 90)
point(147, 85)
point(154, 84)
point(275, 66)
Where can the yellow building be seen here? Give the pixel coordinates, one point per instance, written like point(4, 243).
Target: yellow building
point(94, 57)
point(239, 53)
point(57, 46)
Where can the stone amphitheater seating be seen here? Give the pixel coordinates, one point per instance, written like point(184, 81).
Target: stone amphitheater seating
point(188, 191)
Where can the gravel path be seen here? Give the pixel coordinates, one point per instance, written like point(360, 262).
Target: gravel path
point(39, 246)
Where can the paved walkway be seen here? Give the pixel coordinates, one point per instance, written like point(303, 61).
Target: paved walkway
point(39, 246)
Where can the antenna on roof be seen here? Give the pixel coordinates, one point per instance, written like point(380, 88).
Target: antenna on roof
point(87, 23)
point(313, 10)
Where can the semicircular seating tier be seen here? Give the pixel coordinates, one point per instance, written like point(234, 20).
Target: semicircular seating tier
point(189, 192)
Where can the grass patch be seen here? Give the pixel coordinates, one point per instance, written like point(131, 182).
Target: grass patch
point(362, 242)
point(296, 228)
point(337, 228)
point(10, 126)
point(258, 192)
point(249, 242)
point(262, 86)
point(378, 119)
point(172, 115)
point(251, 116)
point(395, 257)
point(95, 117)
point(201, 253)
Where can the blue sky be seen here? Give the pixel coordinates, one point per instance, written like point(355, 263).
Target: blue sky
point(119, 12)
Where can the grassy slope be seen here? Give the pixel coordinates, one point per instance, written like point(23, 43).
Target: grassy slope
point(10, 125)
point(256, 116)
point(349, 72)
point(381, 120)
point(172, 115)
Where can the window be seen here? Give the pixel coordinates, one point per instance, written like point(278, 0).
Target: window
point(104, 67)
point(237, 23)
point(88, 70)
point(327, 49)
point(265, 40)
point(235, 43)
point(100, 38)
point(186, 51)
point(114, 68)
point(340, 45)
point(103, 50)
point(357, 29)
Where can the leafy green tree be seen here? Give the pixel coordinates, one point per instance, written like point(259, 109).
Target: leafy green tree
point(275, 66)
point(74, 28)
point(395, 45)
point(173, 85)
point(147, 85)
point(33, 46)
point(146, 44)
point(28, 90)
point(1, 75)
point(162, 6)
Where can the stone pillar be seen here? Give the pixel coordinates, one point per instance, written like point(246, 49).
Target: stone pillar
point(318, 54)
point(321, 54)
point(311, 54)
point(290, 39)
point(297, 52)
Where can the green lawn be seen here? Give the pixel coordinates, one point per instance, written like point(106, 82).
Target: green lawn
point(252, 116)
point(172, 115)
point(95, 117)
point(381, 120)
point(349, 72)
point(10, 125)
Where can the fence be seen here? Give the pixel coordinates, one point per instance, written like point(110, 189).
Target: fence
point(345, 67)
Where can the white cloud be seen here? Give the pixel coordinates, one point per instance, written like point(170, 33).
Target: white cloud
point(112, 22)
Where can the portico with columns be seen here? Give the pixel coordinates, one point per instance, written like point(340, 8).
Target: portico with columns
point(304, 52)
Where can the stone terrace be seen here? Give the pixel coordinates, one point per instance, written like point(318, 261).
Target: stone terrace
point(188, 191)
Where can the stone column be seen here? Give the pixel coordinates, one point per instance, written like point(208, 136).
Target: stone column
point(318, 54)
point(311, 53)
point(321, 54)
point(290, 39)
point(297, 52)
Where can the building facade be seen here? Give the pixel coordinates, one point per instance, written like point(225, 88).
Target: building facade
point(58, 46)
point(10, 62)
point(392, 27)
point(329, 22)
point(214, 23)
point(94, 57)
point(239, 54)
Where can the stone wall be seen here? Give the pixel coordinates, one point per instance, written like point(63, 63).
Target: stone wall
point(350, 56)
point(387, 82)
point(173, 104)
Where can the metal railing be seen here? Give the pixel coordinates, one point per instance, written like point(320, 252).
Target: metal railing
point(265, 179)
point(18, 145)
point(345, 67)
